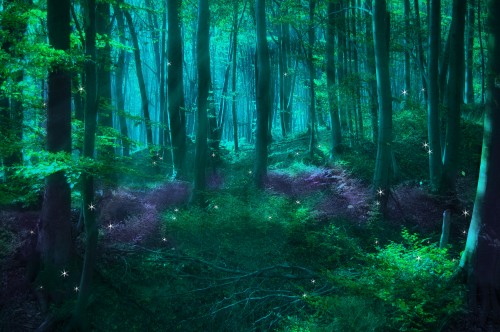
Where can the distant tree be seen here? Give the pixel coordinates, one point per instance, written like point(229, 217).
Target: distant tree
point(13, 22)
point(381, 28)
point(372, 81)
point(140, 78)
point(469, 52)
point(420, 51)
point(103, 28)
point(204, 82)
point(407, 46)
point(54, 238)
point(119, 79)
point(481, 257)
point(263, 71)
point(175, 86)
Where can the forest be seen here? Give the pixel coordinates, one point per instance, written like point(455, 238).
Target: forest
point(236, 165)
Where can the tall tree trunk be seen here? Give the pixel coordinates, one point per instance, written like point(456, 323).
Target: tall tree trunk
point(263, 71)
point(140, 78)
point(330, 76)
point(54, 239)
point(91, 105)
point(381, 29)
point(204, 81)
point(287, 81)
point(312, 76)
point(119, 75)
point(175, 86)
point(341, 68)
point(105, 114)
point(434, 151)
point(155, 40)
point(163, 139)
point(481, 50)
point(372, 81)
point(357, 86)
point(481, 257)
point(455, 99)
point(407, 87)
point(469, 51)
point(236, 25)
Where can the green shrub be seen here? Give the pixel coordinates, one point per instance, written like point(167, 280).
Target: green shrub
point(414, 281)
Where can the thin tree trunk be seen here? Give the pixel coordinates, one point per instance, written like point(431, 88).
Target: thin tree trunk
point(312, 76)
point(481, 49)
point(407, 46)
point(421, 56)
point(469, 51)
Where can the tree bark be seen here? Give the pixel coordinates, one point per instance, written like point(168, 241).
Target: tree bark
point(407, 46)
point(119, 75)
point(204, 81)
point(91, 105)
point(330, 76)
point(455, 99)
point(381, 28)
point(434, 152)
point(372, 80)
point(263, 70)
point(54, 238)
point(311, 34)
point(175, 86)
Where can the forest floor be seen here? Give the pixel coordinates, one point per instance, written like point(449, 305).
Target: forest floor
point(248, 261)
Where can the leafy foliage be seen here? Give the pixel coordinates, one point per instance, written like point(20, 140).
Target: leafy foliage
point(413, 280)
